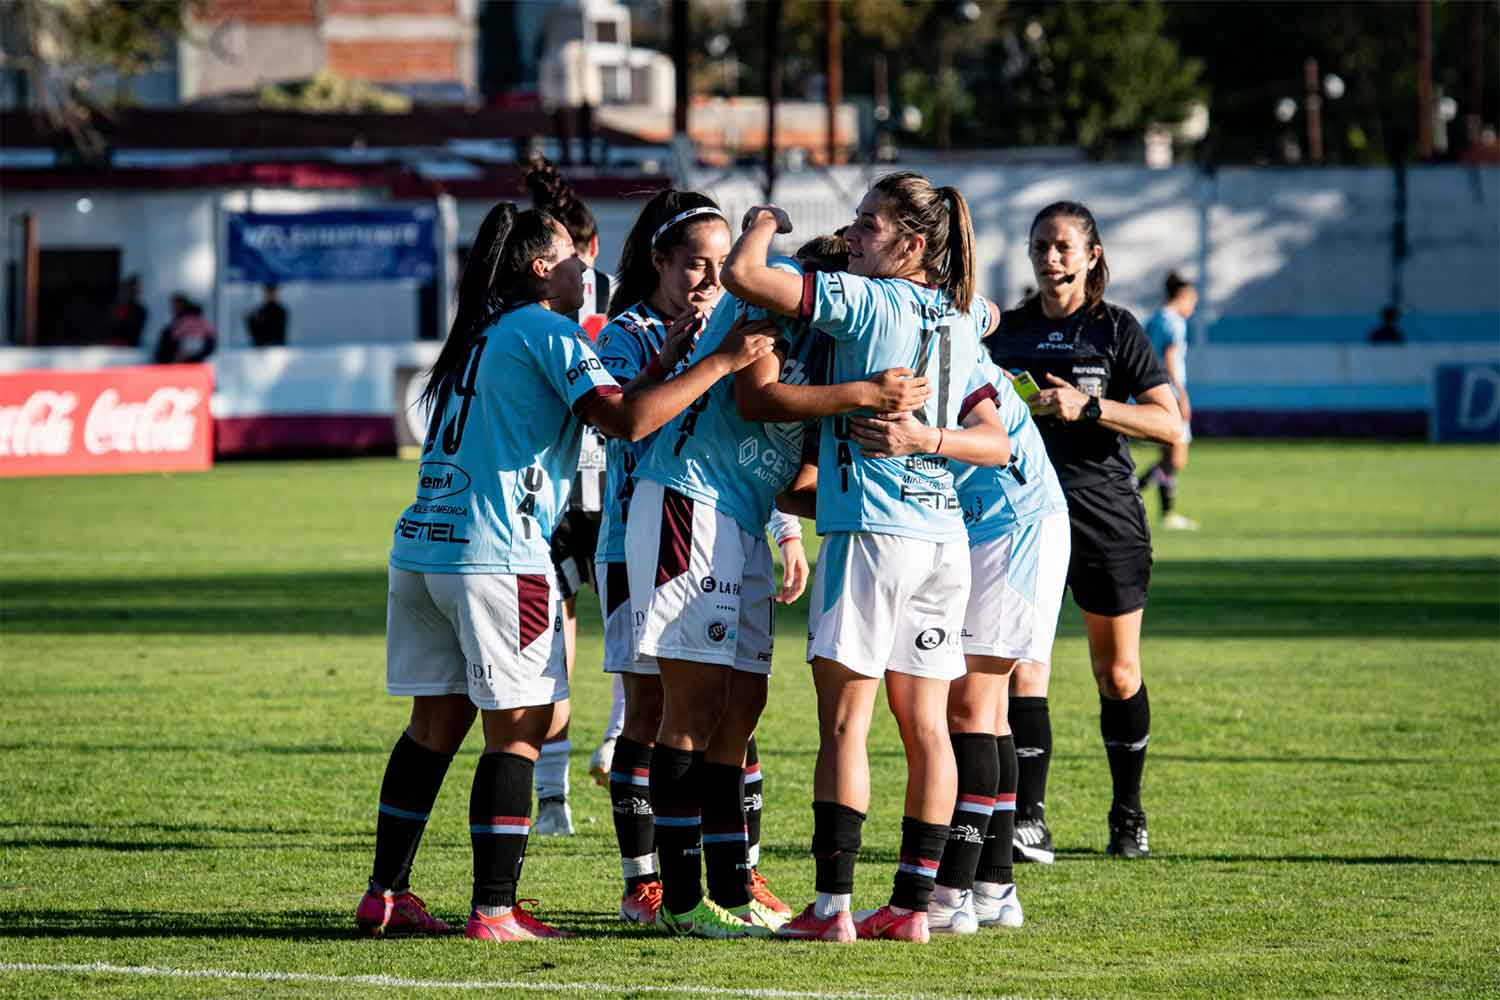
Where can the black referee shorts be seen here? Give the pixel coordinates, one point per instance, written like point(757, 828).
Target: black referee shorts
point(573, 544)
point(1110, 567)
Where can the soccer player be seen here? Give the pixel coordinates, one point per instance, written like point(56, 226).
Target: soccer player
point(1167, 329)
point(577, 534)
point(893, 577)
point(1089, 358)
point(701, 585)
point(472, 619)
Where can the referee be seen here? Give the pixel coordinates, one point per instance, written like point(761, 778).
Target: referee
point(1089, 359)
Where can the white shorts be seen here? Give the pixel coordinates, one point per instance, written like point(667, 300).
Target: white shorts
point(882, 602)
point(1016, 591)
point(496, 637)
point(700, 584)
point(619, 624)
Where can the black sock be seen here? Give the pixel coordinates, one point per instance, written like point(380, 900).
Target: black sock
point(1166, 481)
point(499, 823)
point(835, 846)
point(725, 844)
point(978, 775)
point(754, 801)
point(1126, 728)
point(413, 776)
point(630, 798)
point(677, 801)
point(996, 860)
point(921, 848)
point(1031, 725)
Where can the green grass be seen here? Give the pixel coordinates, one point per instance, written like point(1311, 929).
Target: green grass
point(195, 729)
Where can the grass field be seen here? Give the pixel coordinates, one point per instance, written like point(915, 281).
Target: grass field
point(195, 730)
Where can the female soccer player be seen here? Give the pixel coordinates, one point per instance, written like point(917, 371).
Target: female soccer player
point(893, 577)
point(1167, 330)
point(700, 581)
point(1089, 358)
point(668, 284)
point(577, 534)
point(472, 619)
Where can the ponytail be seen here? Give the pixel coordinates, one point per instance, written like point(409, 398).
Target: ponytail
point(497, 277)
point(553, 195)
point(941, 217)
point(959, 279)
point(661, 226)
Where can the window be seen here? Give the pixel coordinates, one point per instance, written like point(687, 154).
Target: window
point(607, 32)
point(75, 289)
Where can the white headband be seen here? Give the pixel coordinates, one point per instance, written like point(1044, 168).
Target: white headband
point(683, 217)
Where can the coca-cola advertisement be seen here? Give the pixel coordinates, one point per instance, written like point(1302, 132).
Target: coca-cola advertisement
point(145, 419)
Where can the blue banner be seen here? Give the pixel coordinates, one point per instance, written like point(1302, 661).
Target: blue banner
point(343, 245)
point(1466, 403)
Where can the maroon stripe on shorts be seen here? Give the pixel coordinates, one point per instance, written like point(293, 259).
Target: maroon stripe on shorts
point(532, 595)
point(617, 584)
point(676, 536)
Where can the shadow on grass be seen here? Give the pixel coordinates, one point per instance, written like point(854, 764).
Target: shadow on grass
point(1094, 854)
point(1364, 598)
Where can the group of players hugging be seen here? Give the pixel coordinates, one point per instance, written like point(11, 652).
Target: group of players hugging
point(963, 464)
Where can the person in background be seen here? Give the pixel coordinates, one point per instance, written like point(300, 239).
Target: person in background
point(1167, 330)
point(127, 317)
point(189, 338)
point(267, 322)
point(1389, 330)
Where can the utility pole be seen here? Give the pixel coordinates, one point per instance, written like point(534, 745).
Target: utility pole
point(773, 89)
point(1424, 80)
point(681, 29)
point(833, 58)
point(1312, 109)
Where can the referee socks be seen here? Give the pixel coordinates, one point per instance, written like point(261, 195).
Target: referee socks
point(1126, 728)
point(413, 776)
point(1031, 724)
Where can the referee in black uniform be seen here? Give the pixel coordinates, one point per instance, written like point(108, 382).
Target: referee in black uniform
point(1089, 358)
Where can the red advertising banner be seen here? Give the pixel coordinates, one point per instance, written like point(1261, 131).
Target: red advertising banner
point(145, 419)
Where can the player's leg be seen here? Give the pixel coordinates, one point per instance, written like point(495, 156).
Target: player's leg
point(996, 903)
point(726, 842)
point(1030, 722)
point(1175, 459)
point(603, 756)
point(554, 817)
point(1124, 722)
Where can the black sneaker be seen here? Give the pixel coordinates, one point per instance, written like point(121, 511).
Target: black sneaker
point(1127, 834)
point(1033, 841)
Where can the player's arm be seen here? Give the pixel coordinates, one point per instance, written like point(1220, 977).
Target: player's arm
point(748, 275)
point(654, 399)
point(759, 394)
point(1172, 361)
point(981, 440)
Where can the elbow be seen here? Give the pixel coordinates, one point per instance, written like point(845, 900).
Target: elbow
point(734, 279)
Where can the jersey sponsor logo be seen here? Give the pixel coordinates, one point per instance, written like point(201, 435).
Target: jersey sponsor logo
point(581, 370)
point(436, 480)
point(749, 450)
point(709, 584)
point(717, 631)
point(439, 508)
point(931, 638)
point(1054, 342)
point(765, 464)
point(713, 585)
point(927, 463)
point(430, 531)
point(931, 499)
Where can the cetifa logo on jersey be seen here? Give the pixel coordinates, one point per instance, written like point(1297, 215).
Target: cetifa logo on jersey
point(1056, 341)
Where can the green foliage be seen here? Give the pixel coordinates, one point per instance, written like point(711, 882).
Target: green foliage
point(195, 733)
point(329, 92)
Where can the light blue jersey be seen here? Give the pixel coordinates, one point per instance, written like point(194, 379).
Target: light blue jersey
point(997, 501)
point(879, 323)
point(626, 345)
point(1166, 328)
point(712, 454)
point(500, 455)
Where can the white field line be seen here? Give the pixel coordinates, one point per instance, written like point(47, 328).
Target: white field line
point(105, 969)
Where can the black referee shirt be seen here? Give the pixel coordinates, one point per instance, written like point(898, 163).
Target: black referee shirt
point(1102, 351)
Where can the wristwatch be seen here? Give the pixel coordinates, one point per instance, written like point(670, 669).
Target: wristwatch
point(1090, 410)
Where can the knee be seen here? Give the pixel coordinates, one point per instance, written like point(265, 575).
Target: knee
point(1118, 678)
point(440, 724)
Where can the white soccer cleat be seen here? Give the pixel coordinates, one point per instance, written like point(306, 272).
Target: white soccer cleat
point(1178, 522)
point(599, 763)
point(554, 818)
point(960, 919)
point(1003, 910)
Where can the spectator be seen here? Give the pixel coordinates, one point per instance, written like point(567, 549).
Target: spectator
point(127, 318)
point(1388, 332)
point(189, 337)
point(267, 324)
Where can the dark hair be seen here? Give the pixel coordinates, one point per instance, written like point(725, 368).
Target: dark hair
point(1098, 277)
point(551, 194)
point(497, 277)
point(824, 253)
point(1176, 283)
point(637, 278)
point(941, 216)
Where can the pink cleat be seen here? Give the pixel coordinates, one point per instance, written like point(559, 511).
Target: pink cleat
point(761, 892)
point(808, 926)
point(502, 928)
point(532, 925)
point(640, 905)
point(383, 913)
point(887, 924)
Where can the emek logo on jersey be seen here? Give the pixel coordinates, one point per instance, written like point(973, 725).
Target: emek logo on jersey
point(436, 480)
point(711, 585)
point(932, 638)
point(581, 370)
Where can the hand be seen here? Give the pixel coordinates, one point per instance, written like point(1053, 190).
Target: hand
point(677, 343)
point(747, 342)
point(897, 390)
point(753, 216)
point(1064, 400)
point(1186, 408)
point(887, 435)
point(794, 571)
